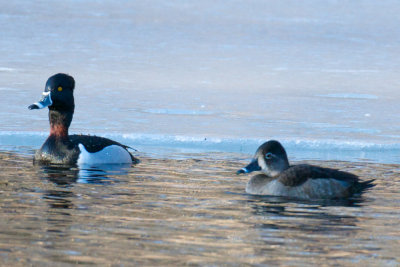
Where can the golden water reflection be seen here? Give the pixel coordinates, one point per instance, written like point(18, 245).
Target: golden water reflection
point(185, 211)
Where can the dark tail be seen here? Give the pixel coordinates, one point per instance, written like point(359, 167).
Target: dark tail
point(362, 186)
point(134, 160)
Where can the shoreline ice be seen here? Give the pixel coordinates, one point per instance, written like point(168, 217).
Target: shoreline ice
point(162, 145)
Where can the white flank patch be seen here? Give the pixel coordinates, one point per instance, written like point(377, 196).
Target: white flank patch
point(109, 155)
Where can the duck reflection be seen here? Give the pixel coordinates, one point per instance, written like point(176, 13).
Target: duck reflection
point(304, 228)
point(88, 174)
point(66, 177)
point(102, 174)
point(59, 199)
point(60, 175)
point(278, 216)
point(264, 205)
point(63, 199)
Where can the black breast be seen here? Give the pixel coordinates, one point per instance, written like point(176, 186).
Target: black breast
point(57, 151)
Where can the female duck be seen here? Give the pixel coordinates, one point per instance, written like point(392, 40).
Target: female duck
point(61, 148)
point(299, 181)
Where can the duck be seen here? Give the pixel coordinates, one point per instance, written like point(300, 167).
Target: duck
point(76, 149)
point(303, 181)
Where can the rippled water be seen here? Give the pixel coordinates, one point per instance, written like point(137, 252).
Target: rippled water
point(187, 209)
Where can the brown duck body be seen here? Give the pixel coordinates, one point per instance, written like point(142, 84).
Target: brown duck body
point(308, 182)
point(278, 178)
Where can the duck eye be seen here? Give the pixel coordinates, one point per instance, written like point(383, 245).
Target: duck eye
point(268, 156)
point(59, 88)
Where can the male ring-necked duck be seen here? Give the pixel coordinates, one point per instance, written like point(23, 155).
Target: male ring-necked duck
point(61, 148)
point(298, 181)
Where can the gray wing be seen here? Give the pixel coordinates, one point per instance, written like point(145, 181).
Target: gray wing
point(298, 174)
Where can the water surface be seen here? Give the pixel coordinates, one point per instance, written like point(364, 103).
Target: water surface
point(190, 209)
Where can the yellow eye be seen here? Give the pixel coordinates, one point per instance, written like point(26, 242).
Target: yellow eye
point(59, 88)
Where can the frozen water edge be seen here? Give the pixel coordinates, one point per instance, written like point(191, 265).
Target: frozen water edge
point(164, 145)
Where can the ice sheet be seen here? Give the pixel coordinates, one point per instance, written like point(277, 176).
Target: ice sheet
point(309, 71)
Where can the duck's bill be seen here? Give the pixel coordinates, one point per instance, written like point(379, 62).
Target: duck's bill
point(253, 166)
point(44, 102)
